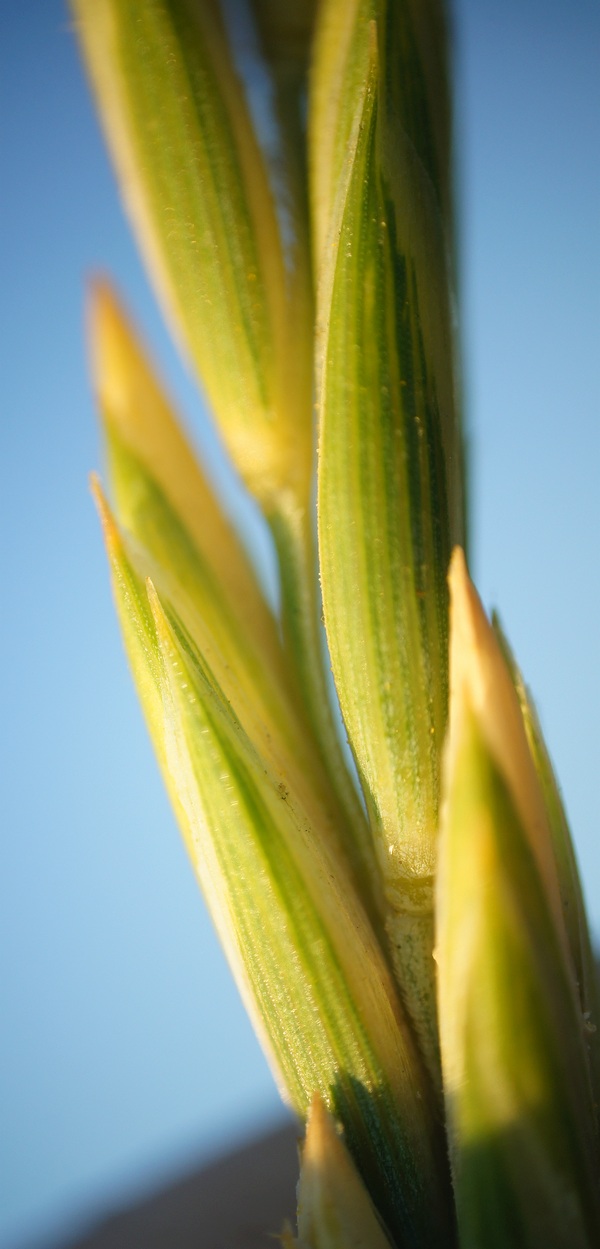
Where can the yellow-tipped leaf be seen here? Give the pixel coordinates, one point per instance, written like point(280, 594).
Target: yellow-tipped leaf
point(165, 503)
point(300, 945)
point(334, 1208)
point(142, 428)
point(569, 884)
point(390, 486)
point(196, 189)
point(518, 1098)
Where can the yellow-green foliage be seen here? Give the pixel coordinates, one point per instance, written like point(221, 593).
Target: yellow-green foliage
point(412, 946)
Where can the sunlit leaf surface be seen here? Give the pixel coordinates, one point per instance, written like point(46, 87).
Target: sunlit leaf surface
point(304, 955)
point(390, 485)
point(518, 1100)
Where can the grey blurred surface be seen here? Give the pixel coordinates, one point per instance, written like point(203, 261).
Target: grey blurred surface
point(237, 1202)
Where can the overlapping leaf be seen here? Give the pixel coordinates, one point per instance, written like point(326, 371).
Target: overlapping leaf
point(302, 950)
point(390, 484)
point(151, 459)
point(569, 884)
point(307, 899)
point(518, 1099)
point(164, 501)
point(334, 1208)
point(195, 185)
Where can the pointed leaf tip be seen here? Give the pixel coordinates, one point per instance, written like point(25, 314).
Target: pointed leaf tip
point(518, 1100)
point(101, 303)
point(162, 497)
point(573, 905)
point(334, 1207)
point(111, 347)
point(189, 164)
point(480, 682)
point(109, 528)
point(518, 1106)
point(304, 956)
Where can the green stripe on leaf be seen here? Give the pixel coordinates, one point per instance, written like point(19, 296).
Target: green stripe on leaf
point(519, 1103)
point(300, 945)
point(390, 483)
point(196, 187)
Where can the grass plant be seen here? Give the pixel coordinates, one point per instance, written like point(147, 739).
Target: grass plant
point(407, 929)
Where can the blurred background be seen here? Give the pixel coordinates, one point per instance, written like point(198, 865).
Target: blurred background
point(125, 1054)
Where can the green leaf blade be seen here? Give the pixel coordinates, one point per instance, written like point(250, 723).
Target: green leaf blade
point(196, 188)
point(301, 949)
point(519, 1103)
point(164, 502)
point(517, 1096)
point(390, 485)
point(569, 883)
point(317, 985)
point(161, 495)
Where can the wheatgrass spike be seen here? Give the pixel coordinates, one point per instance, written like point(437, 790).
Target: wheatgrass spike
point(315, 272)
point(390, 455)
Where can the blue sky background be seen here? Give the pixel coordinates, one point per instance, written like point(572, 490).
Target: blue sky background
point(124, 1052)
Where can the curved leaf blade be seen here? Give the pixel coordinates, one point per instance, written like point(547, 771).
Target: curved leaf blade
point(147, 444)
point(318, 986)
point(164, 502)
point(390, 483)
point(569, 883)
point(515, 1076)
point(518, 1099)
point(305, 958)
point(196, 189)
